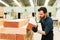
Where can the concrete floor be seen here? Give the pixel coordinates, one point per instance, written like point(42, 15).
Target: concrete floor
point(56, 35)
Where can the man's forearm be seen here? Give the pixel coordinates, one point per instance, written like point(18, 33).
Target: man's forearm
point(42, 32)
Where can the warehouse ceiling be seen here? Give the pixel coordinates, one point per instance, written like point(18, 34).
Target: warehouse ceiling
point(25, 3)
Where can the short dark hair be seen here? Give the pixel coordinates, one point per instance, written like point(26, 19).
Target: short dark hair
point(43, 9)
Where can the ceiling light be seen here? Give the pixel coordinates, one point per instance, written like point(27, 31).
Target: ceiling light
point(18, 4)
point(4, 3)
point(46, 3)
point(31, 2)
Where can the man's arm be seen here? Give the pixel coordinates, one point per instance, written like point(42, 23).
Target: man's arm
point(42, 32)
point(47, 28)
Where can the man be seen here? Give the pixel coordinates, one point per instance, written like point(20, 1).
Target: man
point(47, 24)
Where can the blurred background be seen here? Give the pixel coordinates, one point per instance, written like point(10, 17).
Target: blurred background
point(24, 9)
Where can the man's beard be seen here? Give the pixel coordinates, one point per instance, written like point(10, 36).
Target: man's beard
point(42, 17)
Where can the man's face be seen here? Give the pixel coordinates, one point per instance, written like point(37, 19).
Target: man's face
point(41, 14)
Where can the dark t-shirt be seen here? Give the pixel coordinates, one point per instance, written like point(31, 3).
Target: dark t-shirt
point(47, 26)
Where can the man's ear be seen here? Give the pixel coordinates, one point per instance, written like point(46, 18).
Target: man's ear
point(47, 14)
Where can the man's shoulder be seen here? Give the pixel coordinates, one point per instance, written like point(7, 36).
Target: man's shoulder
point(50, 19)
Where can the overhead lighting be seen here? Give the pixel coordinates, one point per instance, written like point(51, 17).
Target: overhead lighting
point(46, 3)
point(18, 4)
point(31, 2)
point(4, 3)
